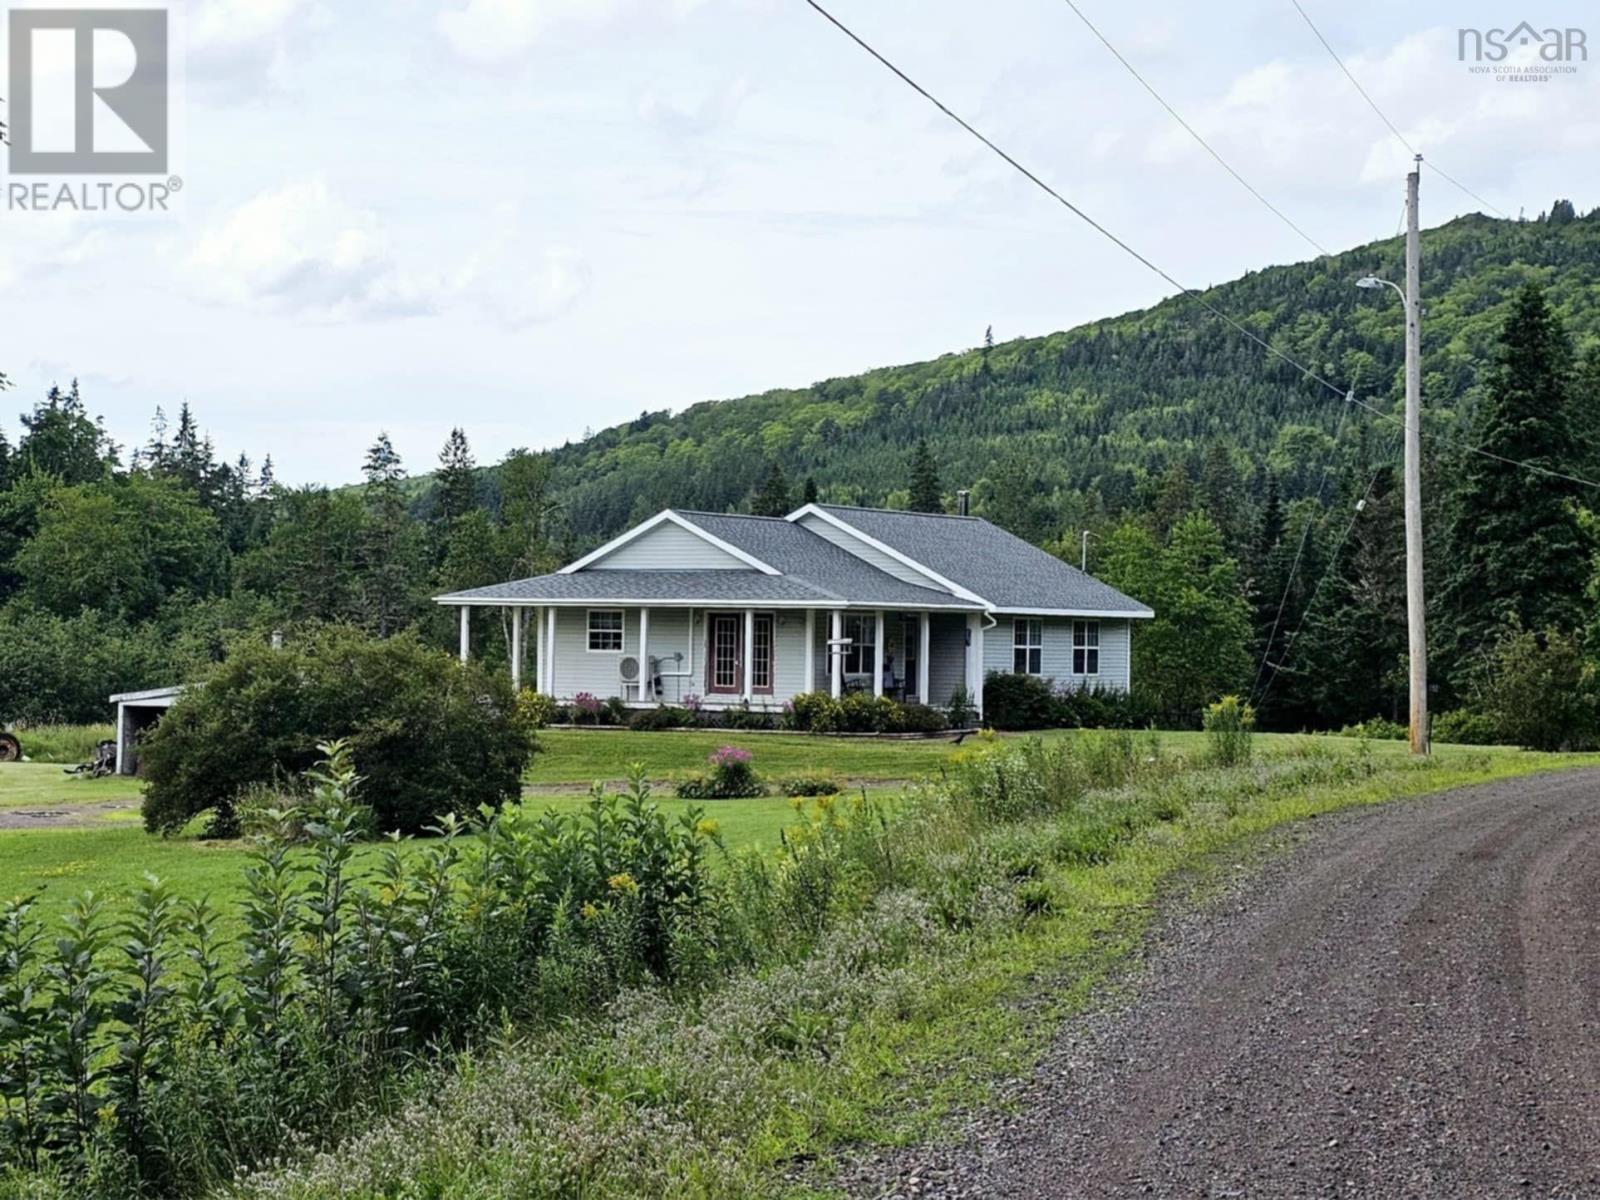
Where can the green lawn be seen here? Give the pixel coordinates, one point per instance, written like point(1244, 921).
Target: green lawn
point(112, 851)
point(584, 755)
point(43, 785)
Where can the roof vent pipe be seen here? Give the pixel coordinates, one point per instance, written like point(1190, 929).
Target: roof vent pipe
point(962, 502)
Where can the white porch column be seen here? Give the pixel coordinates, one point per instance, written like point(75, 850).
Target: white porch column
point(974, 664)
point(877, 653)
point(836, 655)
point(537, 630)
point(811, 651)
point(749, 654)
point(646, 692)
point(516, 648)
point(924, 644)
point(550, 643)
point(466, 631)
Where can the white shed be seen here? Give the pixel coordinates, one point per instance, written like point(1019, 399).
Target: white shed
point(136, 712)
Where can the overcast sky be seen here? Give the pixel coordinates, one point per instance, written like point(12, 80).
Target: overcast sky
point(537, 217)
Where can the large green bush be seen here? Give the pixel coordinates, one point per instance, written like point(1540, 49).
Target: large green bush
point(1018, 701)
point(429, 735)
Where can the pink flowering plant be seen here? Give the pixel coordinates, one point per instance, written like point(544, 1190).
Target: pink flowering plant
point(732, 776)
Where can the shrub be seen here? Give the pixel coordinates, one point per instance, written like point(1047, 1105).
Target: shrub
point(139, 1058)
point(1464, 727)
point(663, 716)
point(731, 777)
point(431, 735)
point(535, 710)
point(743, 717)
point(1102, 708)
point(814, 712)
point(1018, 701)
point(810, 783)
point(917, 718)
point(1541, 691)
point(1229, 726)
point(1378, 729)
point(960, 709)
point(586, 709)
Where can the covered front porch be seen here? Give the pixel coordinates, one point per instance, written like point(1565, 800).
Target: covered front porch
point(753, 656)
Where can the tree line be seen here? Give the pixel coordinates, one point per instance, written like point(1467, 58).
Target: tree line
point(1258, 515)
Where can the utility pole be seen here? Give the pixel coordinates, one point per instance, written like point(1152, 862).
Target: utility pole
point(1084, 558)
point(1416, 614)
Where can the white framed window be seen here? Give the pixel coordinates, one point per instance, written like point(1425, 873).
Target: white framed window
point(1027, 646)
point(1086, 647)
point(763, 661)
point(861, 654)
point(605, 630)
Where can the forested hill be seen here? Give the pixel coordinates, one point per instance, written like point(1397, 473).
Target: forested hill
point(1047, 430)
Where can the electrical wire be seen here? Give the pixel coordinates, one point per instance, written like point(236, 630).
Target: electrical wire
point(1294, 567)
point(1333, 561)
point(1190, 130)
point(1197, 297)
point(1382, 116)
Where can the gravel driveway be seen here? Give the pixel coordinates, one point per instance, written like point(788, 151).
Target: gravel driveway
point(1405, 1005)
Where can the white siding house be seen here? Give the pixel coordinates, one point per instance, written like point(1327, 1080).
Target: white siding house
point(737, 610)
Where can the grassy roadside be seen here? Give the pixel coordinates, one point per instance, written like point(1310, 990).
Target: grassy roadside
point(991, 1014)
point(951, 979)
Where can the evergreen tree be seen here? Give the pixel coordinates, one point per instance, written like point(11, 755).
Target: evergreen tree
point(528, 509)
point(61, 439)
point(154, 456)
point(772, 499)
point(268, 478)
point(1222, 496)
point(1520, 553)
point(1174, 500)
point(456, 481)
point(387, 565)
point(808, 494)
point(925, 494)
point(5, 461)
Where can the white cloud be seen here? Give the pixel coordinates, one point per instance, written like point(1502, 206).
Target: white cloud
point(240, 48)
point(495, 31)
point(516, 282)
point(40, 244)
point(302, 250)
point(1302, 125)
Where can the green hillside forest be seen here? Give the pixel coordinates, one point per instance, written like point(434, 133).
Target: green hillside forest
point(1255, 510)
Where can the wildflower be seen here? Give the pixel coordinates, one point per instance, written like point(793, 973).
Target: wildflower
point(729, 756)
point(624, 882)
point(588, 912)
point(708, 828)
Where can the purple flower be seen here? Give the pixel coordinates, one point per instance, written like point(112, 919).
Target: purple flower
point(729, 756)
point(692, 702)
point(587, 702)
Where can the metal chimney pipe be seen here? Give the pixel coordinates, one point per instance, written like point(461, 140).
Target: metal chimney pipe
point(963, 499)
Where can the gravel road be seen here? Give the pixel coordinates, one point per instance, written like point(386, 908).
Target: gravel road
point(1407, 1004)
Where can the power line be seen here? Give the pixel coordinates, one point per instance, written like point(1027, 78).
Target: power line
point(1200, 299)
point(1294, 567)
point(1382, 116)
point(1190, 130)
point(1333, 561)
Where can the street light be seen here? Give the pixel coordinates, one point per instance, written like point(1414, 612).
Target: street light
point(1372, 281)
point(1416, 614)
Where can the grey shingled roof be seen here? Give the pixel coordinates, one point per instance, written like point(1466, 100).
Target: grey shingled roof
point(1002, 568)
point(714, 587)
point(802, 555)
